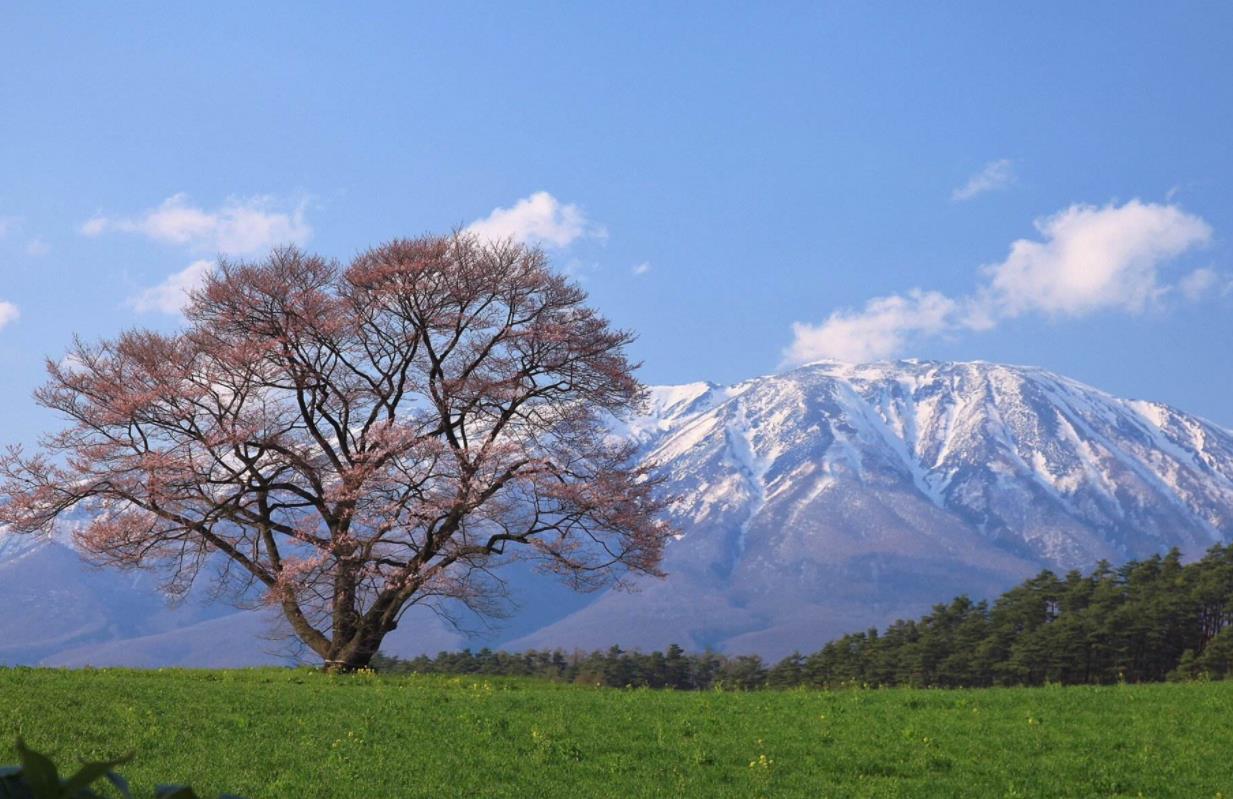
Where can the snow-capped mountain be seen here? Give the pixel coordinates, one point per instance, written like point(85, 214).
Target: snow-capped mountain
point(836, 496)
point(810, 503)
point(1047, 466)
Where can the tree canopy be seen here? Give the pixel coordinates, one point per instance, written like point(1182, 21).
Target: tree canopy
point(350, 440)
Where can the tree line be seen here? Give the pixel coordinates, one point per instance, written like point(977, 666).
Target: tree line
point(1145, 621)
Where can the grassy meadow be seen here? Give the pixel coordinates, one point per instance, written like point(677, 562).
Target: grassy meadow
point(282, 733)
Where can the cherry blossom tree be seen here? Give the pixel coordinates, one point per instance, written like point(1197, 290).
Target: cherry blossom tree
point(350, 441)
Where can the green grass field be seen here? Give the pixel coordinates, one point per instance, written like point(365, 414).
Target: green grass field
point(300, 734)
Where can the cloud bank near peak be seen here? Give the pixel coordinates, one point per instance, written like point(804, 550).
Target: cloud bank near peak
point(881, 328)
point(1088, 259)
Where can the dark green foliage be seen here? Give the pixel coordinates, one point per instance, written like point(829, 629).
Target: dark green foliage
point(1144, 622)
point(38, 778)
point(614, 668)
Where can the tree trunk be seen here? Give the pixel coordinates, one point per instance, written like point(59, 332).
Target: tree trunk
point(357, 653)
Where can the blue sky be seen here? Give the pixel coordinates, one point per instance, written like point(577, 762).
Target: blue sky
point(747, 186)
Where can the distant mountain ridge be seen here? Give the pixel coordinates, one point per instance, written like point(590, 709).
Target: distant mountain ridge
point(835, 496)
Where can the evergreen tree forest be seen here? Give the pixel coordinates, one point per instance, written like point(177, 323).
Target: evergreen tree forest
point(1147, 621)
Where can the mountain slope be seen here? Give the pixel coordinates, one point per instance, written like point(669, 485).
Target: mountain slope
point(835, 496)
point(54, 600)
point(62, 611)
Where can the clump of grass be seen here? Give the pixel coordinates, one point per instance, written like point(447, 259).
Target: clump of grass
point(37, 777)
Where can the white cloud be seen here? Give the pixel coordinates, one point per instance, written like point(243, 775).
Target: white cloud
point(171, 295)
point(538, 219)
point(877, 331)
point(9, 313)
point(641, 269)
point(1196, 285)
point(1094, 259)
point(1205, 283)
point(994, 175)
point(37, 247)
point(242, 226)
point(72, 364)
point(1089, 259)
point(96, 225)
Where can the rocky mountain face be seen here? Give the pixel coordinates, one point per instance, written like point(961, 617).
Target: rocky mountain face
point(838, 496)
point(809, 504)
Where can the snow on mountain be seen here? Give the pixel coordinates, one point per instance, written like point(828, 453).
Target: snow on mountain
point(809, 504)
point(837, 496)
point(1047, 465)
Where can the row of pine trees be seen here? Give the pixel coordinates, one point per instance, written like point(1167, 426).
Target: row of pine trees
point(1146, 621)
